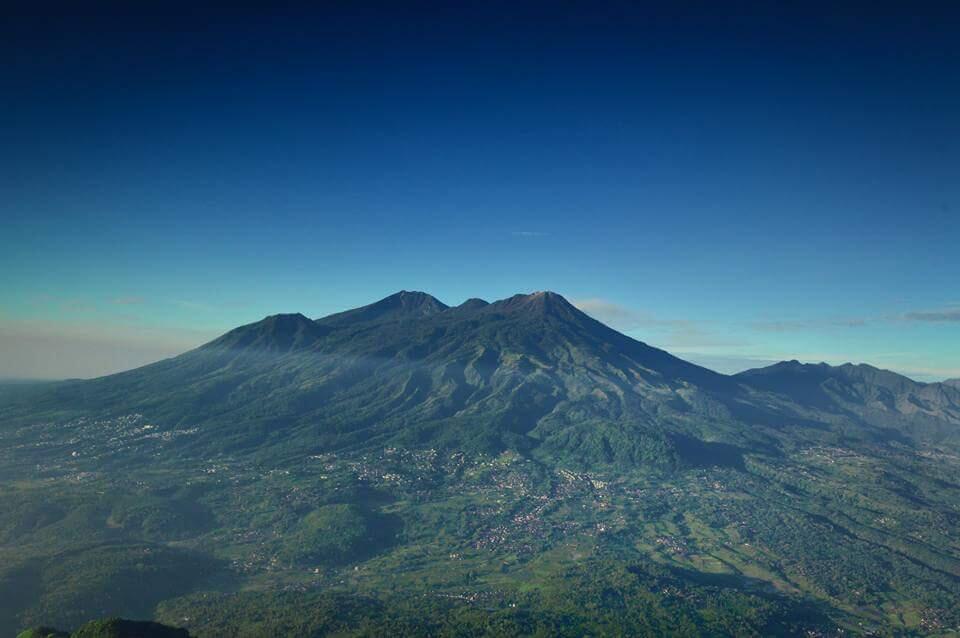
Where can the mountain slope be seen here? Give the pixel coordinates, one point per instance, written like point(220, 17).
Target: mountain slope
point(277, 334)
point(530, 373)
point(401, 305)
point(874, 397)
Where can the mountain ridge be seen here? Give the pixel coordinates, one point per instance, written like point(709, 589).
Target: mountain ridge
point(531, 373)
point(400, 305)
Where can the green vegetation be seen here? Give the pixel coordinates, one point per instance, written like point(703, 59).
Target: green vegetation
point(806, 542)
point(110, 628)
point(43, 632)
point(501, 469)
point(332, 534)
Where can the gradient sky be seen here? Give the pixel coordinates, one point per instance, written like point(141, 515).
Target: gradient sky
point(737, 186)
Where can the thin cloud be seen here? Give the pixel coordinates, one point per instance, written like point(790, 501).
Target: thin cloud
point(607, 311)
point(201, 306)
point(695, 342)
point(930, 373)
point(128, 301)
point(78, 305)
point(195, 305)
point(807, 324)
point(670, 333)
point(528, 233)
point(949, 315)
point(690, 336)
point(626, 318)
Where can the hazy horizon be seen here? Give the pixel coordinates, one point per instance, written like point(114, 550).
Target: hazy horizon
point(124, 352)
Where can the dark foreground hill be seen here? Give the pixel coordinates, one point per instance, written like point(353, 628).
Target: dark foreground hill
point(410, 468)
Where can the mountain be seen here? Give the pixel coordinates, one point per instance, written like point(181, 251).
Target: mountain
point(402, 305)
point(869, 395)
point(529, 373)
point(955, 383)
point(504, 468)
point(275, 334)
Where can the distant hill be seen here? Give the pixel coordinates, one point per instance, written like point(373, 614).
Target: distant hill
point(874, 396)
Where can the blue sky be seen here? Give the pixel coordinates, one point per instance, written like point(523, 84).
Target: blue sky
point(736, 187)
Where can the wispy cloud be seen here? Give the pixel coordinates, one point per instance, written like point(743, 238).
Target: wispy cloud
point(947, 315)
point(78, 305)
point(202, 306)
point(528, 233)
point(798, 325)
point(668, 333)
point(128, 301)
point(198, 306)
point(950, 313)
point(704, 343)
point(609, 312)
point(624, 318)
point(927, 373)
